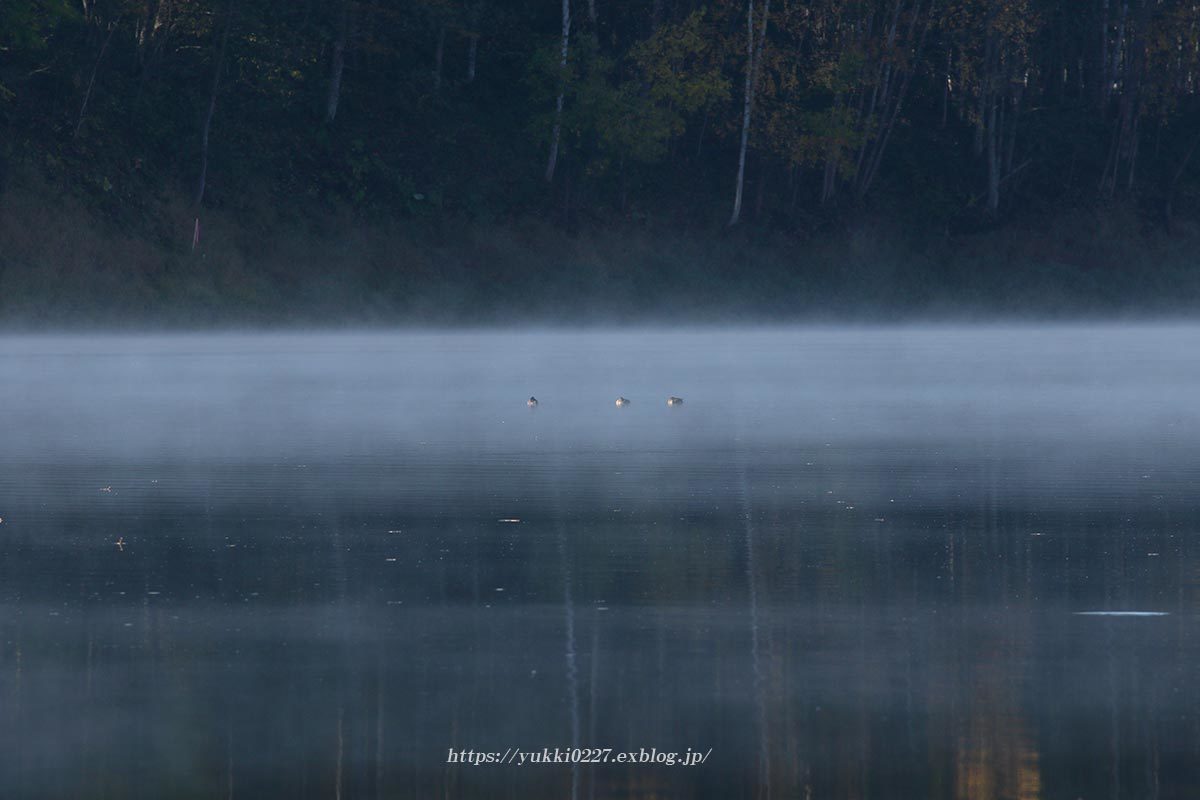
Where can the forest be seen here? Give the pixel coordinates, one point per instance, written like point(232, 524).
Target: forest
point(200, 161)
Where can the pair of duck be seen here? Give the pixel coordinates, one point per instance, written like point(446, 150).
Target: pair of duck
point(621, 401)
point(671, 401)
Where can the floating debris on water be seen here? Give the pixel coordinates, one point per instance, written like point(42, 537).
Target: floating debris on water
point(674, 401)
point(510, 520)
point(621, 401)
point(120, 543)
point(1122, 613)
point(106, 489)
point(396, 531)
point(532, 402)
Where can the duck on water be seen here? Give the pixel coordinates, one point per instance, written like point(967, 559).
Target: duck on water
point(532, 402)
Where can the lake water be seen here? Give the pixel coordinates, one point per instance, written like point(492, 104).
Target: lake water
point(853, 564)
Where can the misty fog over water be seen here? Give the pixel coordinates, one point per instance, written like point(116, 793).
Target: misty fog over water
point(852, 562)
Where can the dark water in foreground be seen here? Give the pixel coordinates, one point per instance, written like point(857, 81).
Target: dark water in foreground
point(850, 564)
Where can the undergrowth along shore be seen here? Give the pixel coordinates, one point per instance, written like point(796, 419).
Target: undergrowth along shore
point(63, 265)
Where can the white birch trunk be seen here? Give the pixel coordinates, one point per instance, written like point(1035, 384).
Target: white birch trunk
point(339, 64)
point(1105, 83)
point(746, 101)
point(888, 118)
point(201, 184)
point(552, 162)
point(87, 96)
point(753, 57)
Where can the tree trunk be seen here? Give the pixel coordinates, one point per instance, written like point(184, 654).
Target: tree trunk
point(829, 179)
point(747, 99)
point(159, 18)
point(889, 117)
point(1134, 147)
point(753, 57)
point(1010, 142)
point(87, 96)
point(832, 154)
point(1169, 209)
point(879, 94)
point(993, 161)
point(474, 27)
point(1105, 85)
point(339, 63)
point(1115, 68)
point(146, 27)
point(592, 12)
point(990, 120)
point(552, 162)
point(946, 92)
point(437, 60)
point(980, 127)
point(1124, 147)
point(212, 104)
point(760, 191)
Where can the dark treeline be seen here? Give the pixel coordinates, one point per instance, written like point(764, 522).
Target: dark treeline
point(797, 121)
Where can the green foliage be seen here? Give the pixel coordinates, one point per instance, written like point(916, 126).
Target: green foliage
point(832, 133)
point(29, 24)
point(679, 68)
point(627, 110)
point(26, 27)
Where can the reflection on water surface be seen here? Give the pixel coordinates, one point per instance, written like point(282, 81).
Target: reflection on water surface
point(855, 563)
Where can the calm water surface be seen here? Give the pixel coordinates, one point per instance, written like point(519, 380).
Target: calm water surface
point(851, 565)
